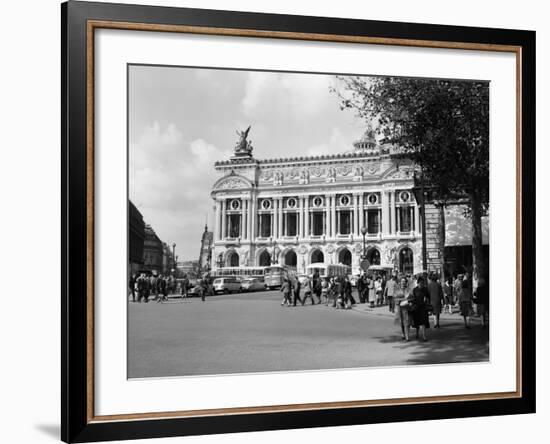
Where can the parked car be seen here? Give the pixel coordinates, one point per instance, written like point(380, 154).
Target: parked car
point(252, 284)
point(230, 284)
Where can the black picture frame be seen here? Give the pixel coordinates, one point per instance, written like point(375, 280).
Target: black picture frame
point(77, 425)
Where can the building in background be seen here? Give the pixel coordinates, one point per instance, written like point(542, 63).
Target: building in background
point(188, 268)
point(153, 251)
point(301, 210)
point(168, 259)
point(136, 237)
point(205, 254)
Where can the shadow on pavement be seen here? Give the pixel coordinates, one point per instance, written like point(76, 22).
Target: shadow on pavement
point(449, 344)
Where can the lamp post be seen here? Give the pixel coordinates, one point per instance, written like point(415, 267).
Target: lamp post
point(419, 195)
point(364, 233)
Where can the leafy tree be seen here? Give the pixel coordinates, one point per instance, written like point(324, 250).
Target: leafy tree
point(443, 125)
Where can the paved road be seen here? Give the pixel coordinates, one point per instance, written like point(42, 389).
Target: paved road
point(252, 333)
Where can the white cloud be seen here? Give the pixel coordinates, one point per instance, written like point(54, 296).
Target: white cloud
point(170, 181)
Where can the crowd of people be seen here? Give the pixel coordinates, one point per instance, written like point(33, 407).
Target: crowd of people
point(154, 287)
point(144, 287)
point(411, 298)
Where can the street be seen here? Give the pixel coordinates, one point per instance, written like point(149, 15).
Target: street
point(243, 333)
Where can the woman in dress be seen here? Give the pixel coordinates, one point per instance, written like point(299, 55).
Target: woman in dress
point(418, 317)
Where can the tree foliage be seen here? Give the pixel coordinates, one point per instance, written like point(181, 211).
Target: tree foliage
point(443, 125)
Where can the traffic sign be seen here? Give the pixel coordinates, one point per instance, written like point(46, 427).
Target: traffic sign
point(365, 264)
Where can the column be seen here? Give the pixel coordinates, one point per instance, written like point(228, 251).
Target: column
point(253, 219)
point(280, 217)
point(416, 219)
point(328, 225)
point(223, 225)
point(398, 220)
point(361, 212)
point(243, 219)
point(355, 200)
point(249, 220)
point(217, 227)
point(306, 217)
point(392, 212)
point(273, 218)
point(385, 213)
point(333, 215)
point(300, 217)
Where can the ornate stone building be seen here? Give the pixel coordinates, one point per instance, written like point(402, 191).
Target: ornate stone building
point(300, 210)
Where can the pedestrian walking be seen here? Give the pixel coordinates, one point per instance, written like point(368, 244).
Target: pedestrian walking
point(286, 288)
point(184, 287)
point(331, 292)
point(418, 315)
point(201, 285)
point(143, 288)
point(153, 288)
point(161, 289)
point(361, 289)
point(370, 291)
point(464, 296)
point(448, 295)
point(481, 299)
point(132, 286)
point(390, 293)
point(401, 300)
point(436, 297)
point(296, 290)
point(324, 290)
point(317, 288)
point(378, 290)
point(349, 300)
point(308, 291)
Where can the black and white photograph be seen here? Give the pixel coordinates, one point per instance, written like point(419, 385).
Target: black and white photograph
point(291, 221)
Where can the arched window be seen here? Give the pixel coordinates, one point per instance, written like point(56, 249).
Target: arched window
point(406, 261)
point(373, 257)
point(317, 256)
point(344, 257)
point(232, 259)
point(290, 258)
point(265, 259)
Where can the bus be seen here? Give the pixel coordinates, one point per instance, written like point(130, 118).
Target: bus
point(275, 274)
point(328, 270)
point(241, 272)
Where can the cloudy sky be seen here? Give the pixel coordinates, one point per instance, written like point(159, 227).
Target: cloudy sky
point(182, 120)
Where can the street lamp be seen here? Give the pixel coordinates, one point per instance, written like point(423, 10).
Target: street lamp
point(419, 195)
point(364, 233)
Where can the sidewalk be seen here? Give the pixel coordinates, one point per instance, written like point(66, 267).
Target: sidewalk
point(384, 311)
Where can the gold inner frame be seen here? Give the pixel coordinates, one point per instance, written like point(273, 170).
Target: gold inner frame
point(97, 24)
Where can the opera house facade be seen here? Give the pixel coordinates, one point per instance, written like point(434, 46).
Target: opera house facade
point(301, 210)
